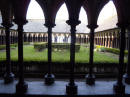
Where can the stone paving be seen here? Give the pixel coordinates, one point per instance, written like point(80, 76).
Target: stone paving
point(38, 87)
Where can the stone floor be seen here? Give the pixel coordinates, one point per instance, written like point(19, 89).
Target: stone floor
point(37, 87)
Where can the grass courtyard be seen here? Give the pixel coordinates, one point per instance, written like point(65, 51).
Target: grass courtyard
point(30, 54)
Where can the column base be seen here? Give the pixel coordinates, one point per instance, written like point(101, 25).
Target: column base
point(71, 89)
point(127, 79)
point(90, 80)
point(49, 79)
point(21, 88)
point(8, 78)
point(119, 89)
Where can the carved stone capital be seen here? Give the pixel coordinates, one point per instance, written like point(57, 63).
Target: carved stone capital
point(20, 21)
point(7, 24)
point(92, 26)
point(73, 22)
point(49, 24)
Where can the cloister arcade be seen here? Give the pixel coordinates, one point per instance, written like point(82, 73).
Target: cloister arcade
point(108, 38)
point(16, 10)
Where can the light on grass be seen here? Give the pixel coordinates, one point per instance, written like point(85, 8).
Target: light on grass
point(30, 54)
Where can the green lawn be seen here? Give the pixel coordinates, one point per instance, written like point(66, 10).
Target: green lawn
point(61, 56)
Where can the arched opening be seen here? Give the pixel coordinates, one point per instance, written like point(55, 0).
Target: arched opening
point(61, 17)
point(106, 21)
point(82, 55)
point(82, 28)
point(36, 20)
point(61, 29)
point(34, 12)
point(107, 17)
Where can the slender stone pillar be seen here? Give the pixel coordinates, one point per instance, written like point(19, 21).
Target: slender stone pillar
point(98, 40)
point(104, 39)
point(49, 77)
point(110, 40)
point(21, 87)
point(11, 38)
point(107, 40)
point(116, 39)
point(4, 38)
point(27, 36)
point(101, 38)
point(71, 88)
point(127, 75)
point(15, 38)
point(90, 77)
point(0, 39)
point(119, 87)
point(9, 76)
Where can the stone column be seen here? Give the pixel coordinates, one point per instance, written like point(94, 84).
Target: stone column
point(112, 40)
point(118, 40)
point(11, 38)
point(49, 77)
point(21, 87)
point(113, 46)
point(127, 75)
point(90, 78)
point(15, 37)
point(97, 39)
point(71, 88)
point(119, 87)
point(116, 45)
point(0, 37)
point(9, 76)
point(100, 39)
point(104, 39)
point(4, 38)
point(107, 40)
point(126, 42)
point(27, 37)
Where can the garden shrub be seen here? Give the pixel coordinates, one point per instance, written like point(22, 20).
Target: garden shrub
point(115, 51)
point(64, 46)
point(40, 46)
point(26, 43)
point(77, 47)
point(111, 50)
point(55, 46)
point(60, 46)
point(86, 45)
point(100, 48)
point(3, 47)
point(14, 45)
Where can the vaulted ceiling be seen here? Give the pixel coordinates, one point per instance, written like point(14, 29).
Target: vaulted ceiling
point(18, 9)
